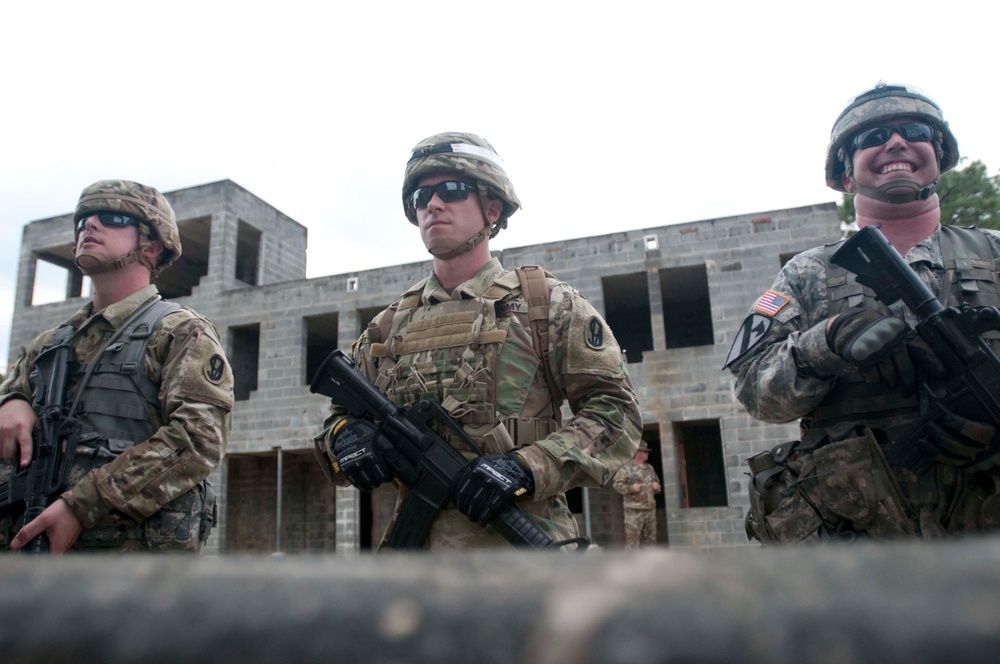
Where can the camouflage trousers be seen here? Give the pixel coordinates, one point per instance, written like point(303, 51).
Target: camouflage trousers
point(846, 489)
point(640, 529)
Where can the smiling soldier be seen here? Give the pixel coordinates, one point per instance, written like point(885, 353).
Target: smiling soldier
point(818, 347)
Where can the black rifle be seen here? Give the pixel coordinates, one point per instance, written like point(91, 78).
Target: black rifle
point(971, 388)
point(436, 462)
point(53, 441)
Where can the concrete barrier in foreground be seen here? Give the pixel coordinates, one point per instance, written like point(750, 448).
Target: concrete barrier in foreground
point(889, 603)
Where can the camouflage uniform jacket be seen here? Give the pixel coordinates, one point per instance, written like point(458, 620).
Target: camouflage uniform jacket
point(472, 351)
point(184, 357)
point(634, 473)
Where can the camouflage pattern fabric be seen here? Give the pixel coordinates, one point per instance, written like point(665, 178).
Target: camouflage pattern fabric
point(640, 529)
point(644, 476)
point(149, 490)
point(784, 371)
point(471, 350)
point(635, 482)
point(844, 483)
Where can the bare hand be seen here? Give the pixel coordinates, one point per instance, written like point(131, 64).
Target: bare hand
point(58, 522)
point(17, 421)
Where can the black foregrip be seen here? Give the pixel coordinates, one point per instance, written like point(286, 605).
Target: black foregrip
point(519, 530)
point(35, 506)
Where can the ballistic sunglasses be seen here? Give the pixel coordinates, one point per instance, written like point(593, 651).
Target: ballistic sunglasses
point(911, 131)
point(448, 191)
point(108, 219)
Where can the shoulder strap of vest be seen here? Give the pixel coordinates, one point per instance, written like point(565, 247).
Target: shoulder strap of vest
point(139, 331)
point(968, 251)
point(965, 241)
point(138, 327)
point(536, 294)
point(377, 334)
point(842, 290)
point(970, 270)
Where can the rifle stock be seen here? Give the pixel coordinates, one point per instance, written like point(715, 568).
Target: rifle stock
point(436, 461)
point(972, 386)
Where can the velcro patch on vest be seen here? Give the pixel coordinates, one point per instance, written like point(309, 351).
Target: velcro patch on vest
point(771, 302)
point(754, 329)
point(447, 330)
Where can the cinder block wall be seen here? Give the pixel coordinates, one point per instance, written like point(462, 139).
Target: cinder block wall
point(308, 505)
point(740, 254)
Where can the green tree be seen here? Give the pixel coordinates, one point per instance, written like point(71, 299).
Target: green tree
point(846, 209)
point(968, 196)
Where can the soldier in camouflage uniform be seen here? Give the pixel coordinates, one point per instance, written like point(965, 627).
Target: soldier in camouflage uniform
point(801, 353)
point(463, 337)
point(638, 484)
point(150, 437)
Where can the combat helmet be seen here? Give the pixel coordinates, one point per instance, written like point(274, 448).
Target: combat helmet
point(156, 221)
point(465, 155)
point(881, 104)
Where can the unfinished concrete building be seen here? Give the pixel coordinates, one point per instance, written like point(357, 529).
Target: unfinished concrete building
point(673, 295)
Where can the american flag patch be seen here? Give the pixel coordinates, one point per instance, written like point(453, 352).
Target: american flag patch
point(770, 303)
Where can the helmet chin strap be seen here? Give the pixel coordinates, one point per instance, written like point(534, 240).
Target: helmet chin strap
point(445, 252)
point(915, 191)
point(108, 266)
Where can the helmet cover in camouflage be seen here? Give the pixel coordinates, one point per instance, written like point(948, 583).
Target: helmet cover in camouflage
point(881, 104)
point(137, 200)
point(465, 155)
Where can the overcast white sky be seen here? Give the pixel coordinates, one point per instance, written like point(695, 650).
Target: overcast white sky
point(610, 116)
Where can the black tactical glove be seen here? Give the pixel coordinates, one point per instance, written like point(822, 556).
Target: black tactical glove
point(355, 444)
point(885, 345)
point(863, 337)
point(958, 440)
point(876, 343)
point(489, 484)
point(923, 357)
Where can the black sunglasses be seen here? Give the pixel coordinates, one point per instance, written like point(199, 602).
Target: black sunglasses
point(108, 219)
point(911, 131)
point(448, 191)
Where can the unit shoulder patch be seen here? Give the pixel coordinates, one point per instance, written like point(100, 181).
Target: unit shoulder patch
point(753, 329)
point(594, 334)
point(215, 369)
